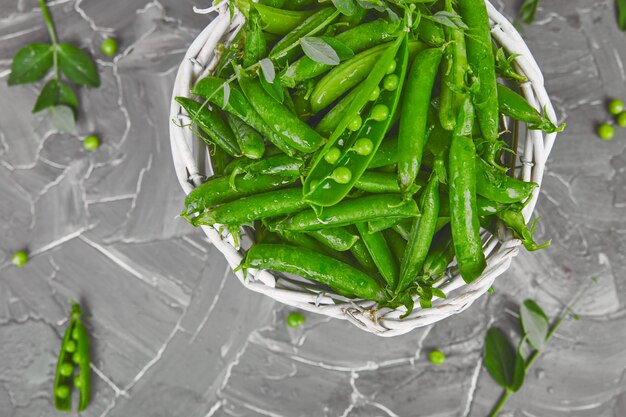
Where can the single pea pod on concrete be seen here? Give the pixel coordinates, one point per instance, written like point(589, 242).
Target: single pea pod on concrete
point(219, 190)
point(352, 211)
point(495, 185)
point(358, 39)
point(212, 89)
point(255, 207)
point(412, 135)
point(384, 259)
point(315, 266)
point(482, 63)
point(212, 124)
point(249, 140)
point(286, 48)
point(297, 133)
point(74, 355)
point(512, 217)
point(336, 238)
point(464, 221)
point(516, 107)
point(422, 233)
point(330, 179)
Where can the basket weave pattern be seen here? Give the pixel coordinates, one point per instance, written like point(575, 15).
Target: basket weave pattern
point(192, 167)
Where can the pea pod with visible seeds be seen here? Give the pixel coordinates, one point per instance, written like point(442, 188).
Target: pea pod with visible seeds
point(211, 88)
point(515, 106)
point(212, 124)
point(381, 254)
point(315, 266)
point(249, 140)
point(463, 211)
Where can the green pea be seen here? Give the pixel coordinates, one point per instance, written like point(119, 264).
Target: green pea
point(616, 107)
point(20, 258)
point(70, 346)
point(67, 369)
point(62, 391)
point(332, 155)
point(437, 357)
point(621, 119)
point(380, 112)
point(363, 146)
point(390, 82)
point(91, 142)
point(77, 358)
point(355, 123)
point(490, 290)
point(109, 47)
point(606, 131)
point(295, 319)
point(78, 382)
point(375, 93)
point(342, 175)
point(392, 67)
point(75, 334)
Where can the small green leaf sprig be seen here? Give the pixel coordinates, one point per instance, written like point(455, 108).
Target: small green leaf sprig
point(527, 12)
point(508, 366)
point(34, 61)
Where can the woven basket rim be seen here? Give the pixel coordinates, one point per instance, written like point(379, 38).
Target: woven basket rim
point(190, 161)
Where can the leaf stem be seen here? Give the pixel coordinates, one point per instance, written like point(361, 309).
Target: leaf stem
point(503, 399)
point(53, 36)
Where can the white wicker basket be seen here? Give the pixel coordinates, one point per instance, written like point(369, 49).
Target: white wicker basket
point(192, 167)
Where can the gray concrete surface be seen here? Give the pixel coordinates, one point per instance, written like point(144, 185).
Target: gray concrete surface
point(176, 335)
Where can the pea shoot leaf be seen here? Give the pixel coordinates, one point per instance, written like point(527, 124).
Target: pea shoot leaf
point(77, 65)
point(527, 12)
point(267, 67)
point(53, 94)
point(274, 88)
point(62, 118)
point(535, 324)
point(226, 88)
point(519, 373)
point(346, 7)
point(255, 46)
point(343, 51)
point(31, 63)
point(448, 19)
point(500, 358)
point(438, 293)
point(319, 50)
point(621, 14)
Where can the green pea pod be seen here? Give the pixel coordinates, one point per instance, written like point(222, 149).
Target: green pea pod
point(416, 101)
point(396, 243)
point(279, 21)
point(357, 39)
point(379, 225)
point(515, 106)
point(387, 154)
point(336, 238)
point(302, 106)
point(255, 207)
point(287, 4)
point(255, 46)
point(74, 354)
point(482, 63)
point(487, 207)
point(275, 165)
point(297, 133)
point(382, 182)
point(315, 266)
point(352, 211)
point(495, 185)
point(329, 122)
point(219, 190)
point(381, 254)
point(323, 186)
point(219, 159)
point(305, 241)
point(231, 57)
point(422, 233)
point(438, 138)
point(249, 140)
point(440, 256)
point(453, 75)
point(312, 25)
point(431, 33)
point(463, 211)
point(363, 257)
point(211, 124)
point(513, 219)
point(212, 88)
point(346, 22)
point(404, 228)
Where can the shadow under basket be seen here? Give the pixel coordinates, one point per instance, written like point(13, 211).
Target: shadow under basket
point(192, 166)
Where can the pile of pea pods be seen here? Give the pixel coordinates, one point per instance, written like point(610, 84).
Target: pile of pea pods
point(362, 142)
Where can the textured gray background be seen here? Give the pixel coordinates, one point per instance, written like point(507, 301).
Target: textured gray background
point(176, 335)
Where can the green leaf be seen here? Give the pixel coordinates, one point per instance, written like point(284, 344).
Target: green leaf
point(519, 373)
point(62, 118)
point(274, 89)
point(500, 358)
point(535, 324)
point(343, 51)
point(438, 293)
point(77, 65)
point(319, 50)
point(621, 14)
point(346, 7)
point(268, 70)
point(255, 46)
point(448, 19)
point(53, 94)
point(528, 11)
point(31, 63)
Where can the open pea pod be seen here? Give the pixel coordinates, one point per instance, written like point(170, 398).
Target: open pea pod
point(347, 154)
